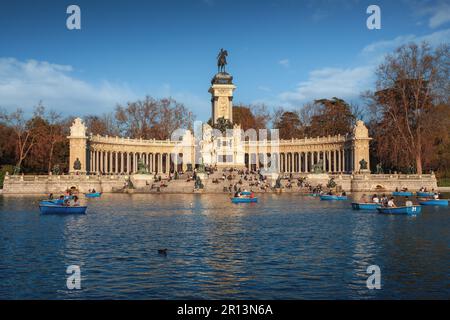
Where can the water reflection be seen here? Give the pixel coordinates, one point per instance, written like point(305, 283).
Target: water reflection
point(283, 247)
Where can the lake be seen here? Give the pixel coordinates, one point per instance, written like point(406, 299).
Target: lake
point(283, 247)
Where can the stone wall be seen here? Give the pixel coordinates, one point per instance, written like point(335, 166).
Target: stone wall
point(46, 184)
point(110, 183)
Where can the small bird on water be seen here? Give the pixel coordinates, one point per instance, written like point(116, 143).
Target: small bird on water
point(162, 251)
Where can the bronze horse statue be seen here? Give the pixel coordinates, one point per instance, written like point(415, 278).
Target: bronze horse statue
point(222, 60)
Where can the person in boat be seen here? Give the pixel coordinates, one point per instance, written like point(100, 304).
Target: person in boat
point(60, 201)
point(363, 199)
point(396, 189)
point(75, 202)
point(384, 200)
point(50, 196)
point(343, 194)
point(375, 199)
point(93, 191)
point(436, 196)
point(408, 202)
point(391, 203)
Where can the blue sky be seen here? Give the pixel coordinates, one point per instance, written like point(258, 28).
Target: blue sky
point(282, 53)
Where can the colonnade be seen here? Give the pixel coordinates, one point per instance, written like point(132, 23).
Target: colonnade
point(116, 162)
point(333, 161)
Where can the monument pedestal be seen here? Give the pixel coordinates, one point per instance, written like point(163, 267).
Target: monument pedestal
point(141, 180)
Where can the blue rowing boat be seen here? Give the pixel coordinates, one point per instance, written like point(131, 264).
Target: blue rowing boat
point(244, 200)
point(93, 195)
point(434, 202)
point(424, 194)
point(412, 210)
point(365, 206)
point(332, 197)
point(57, 209)
point(402, 194)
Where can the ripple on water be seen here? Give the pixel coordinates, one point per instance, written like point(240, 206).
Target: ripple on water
point(284, 247)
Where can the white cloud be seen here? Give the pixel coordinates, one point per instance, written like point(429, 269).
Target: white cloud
point(439, 13)
point(284, 62)
point(382, 47)
point(331, 82)
point(349, 83)
point(25, 83)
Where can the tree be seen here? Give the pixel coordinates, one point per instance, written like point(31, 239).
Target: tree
point(104, 125)
point(331, 117)
point(251, 116)
point(289, 125)
point(24, 131)
point(410, 83)
point(152, 119)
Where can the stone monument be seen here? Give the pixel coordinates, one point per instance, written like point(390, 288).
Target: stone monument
point(221, 90)
point(78, 140)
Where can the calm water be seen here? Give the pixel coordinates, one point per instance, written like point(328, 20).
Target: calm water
point(284, 247)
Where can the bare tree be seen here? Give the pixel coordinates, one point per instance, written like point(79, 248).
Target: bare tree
point(410, 82)
point(25, 133)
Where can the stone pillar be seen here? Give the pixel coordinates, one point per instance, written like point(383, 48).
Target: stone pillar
point(78, 147)
point(221, 90)
point(329, 161)
point(324, 161)
point(100, 162)
point(122, 168)
point(334, 161)
point(361, 146)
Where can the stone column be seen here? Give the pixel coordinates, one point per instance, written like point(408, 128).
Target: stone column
point(77, 146)
point(334, 161)
point(121, 163)
point(329, 162)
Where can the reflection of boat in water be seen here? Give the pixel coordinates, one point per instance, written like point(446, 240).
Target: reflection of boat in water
point(57, 209)
point(434, 202)
point(365, 206)
point(402, 194)
point(93, 195)
point(424, 194)
point(412, 210)
point(244, 200)
point(332, 197)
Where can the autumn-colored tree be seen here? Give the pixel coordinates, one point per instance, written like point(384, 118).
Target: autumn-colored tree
point(24, 132)
point(7, 145)
point(104, 125)
point(251, 116)
point(331, 117)
point(410, 83)
point(289, 125)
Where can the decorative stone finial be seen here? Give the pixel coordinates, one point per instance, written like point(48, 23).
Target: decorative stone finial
point(78, 129)
point(360, 130)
